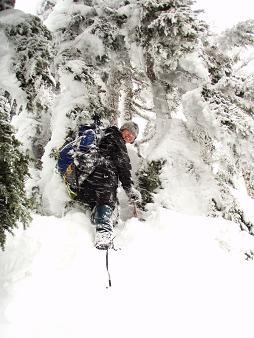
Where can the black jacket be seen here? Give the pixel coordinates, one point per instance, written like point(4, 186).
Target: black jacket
point(114, 164)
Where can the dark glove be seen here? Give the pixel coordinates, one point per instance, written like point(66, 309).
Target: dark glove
point(134, 195)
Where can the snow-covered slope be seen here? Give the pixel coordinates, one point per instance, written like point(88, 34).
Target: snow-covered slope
point(174, 276)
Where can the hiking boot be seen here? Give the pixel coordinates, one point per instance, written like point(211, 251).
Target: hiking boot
point(103, 240)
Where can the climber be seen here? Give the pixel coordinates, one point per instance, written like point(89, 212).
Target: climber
point(99, 190)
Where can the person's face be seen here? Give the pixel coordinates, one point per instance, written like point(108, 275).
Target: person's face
point(128, 136)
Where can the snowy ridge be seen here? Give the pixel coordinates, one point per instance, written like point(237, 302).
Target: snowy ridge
point(175, 276)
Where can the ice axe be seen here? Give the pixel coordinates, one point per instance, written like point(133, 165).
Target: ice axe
point(136, 212)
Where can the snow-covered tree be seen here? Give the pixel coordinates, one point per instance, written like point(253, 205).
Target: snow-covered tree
point(32, 43)
point(14, 205)
point(181, 59)
point(170, 34)
point(241, 35)
point(6, 4)
point(45, 7)
point(222, 124)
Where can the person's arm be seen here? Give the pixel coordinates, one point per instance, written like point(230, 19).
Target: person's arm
point(124, 172)
point(117, 152)
point(121, 161)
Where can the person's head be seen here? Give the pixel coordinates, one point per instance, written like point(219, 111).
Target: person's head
point(129, 131)
point(6, 4)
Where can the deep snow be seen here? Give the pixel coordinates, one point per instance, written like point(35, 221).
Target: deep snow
point(175, 276)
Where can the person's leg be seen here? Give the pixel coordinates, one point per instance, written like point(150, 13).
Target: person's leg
point(105, 204)
point(102, 218)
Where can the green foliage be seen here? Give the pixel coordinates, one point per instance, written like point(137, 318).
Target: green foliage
point(240, 35)
point(108, 32)
point(94, 93)
point(232, 113)
point(32, 59)
point(149, 180)
point(45, 7)
point(168, 31)
point(14, 205)
point(219, 65)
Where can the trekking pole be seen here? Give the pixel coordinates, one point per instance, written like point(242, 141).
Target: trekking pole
point(137, 213)
point(109, 278)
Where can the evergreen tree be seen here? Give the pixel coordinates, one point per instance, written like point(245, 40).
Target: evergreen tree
point(241, 35)
point(45, 7)
point(91, 61)
point(82, 56)
point(220, 124)
point(32, 43)
point(168, 32)
point(14, 205)
point(149, 180)
point(6, 4)
point(223, 125)
point(224, 129)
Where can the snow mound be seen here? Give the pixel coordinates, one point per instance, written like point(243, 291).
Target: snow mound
point(174, 276)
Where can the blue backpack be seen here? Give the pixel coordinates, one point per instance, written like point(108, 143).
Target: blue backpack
point(78, 159)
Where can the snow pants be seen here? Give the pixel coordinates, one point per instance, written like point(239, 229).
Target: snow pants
point(101, 201)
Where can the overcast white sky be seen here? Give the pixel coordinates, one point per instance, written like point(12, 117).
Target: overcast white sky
point(220, 14)
point(27, 6)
